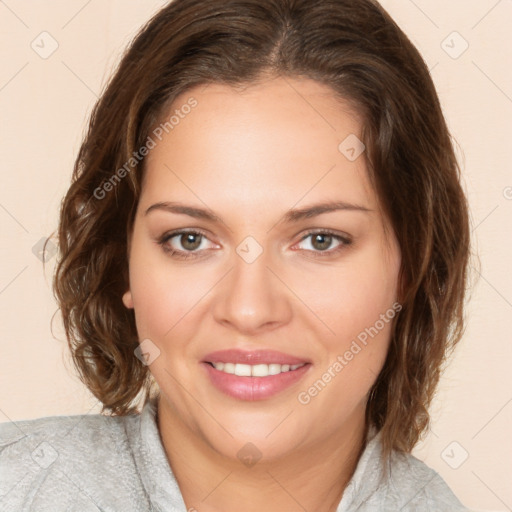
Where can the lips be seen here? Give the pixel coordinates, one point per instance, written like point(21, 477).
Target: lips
point(254, 384)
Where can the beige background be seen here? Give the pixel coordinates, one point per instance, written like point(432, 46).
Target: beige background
point(44, 103)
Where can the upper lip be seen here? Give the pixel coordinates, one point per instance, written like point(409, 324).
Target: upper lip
point(252, 357)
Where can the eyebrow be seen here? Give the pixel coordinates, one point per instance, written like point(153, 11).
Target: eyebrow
point(293, 215)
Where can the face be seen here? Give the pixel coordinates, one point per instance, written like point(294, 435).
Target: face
point(232, 269)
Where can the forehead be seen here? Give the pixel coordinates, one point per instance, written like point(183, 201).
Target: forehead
point(275, 144)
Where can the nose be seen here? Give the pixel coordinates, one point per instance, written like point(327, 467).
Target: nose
point(252, 298)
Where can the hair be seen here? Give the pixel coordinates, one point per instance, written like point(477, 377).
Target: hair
point(356, 49)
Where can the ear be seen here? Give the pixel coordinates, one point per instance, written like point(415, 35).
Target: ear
point(128, 300)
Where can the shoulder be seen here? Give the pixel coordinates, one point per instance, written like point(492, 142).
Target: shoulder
point(400, 482)
point(61, 461)
point(414, 486)
point(46, 440)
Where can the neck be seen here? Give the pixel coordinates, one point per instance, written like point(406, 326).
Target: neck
point(311, 478)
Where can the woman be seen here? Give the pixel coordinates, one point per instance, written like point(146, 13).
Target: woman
point(265, 242)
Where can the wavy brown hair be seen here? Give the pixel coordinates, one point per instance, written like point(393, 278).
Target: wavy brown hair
point(355, 48)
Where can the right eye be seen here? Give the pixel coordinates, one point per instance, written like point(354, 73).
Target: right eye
point(189, 240)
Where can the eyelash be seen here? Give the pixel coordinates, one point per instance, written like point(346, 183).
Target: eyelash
point(184, 255)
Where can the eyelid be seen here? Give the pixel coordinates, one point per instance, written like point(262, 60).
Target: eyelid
point(319, 231)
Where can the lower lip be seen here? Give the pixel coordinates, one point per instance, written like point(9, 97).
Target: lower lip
point(254, 388)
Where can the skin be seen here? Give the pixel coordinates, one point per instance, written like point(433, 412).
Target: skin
point(249, 156)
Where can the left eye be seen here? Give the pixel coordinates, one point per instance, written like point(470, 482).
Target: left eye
point(321, 241)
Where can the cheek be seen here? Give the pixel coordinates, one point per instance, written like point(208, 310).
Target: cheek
point(162, 296)
point(358, 304)
point(351, 299)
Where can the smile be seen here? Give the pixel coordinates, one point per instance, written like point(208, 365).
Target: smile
point(254, 382)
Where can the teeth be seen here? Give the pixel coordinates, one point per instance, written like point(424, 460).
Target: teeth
point(229, 368)
point(242, 370)
point(257, 370)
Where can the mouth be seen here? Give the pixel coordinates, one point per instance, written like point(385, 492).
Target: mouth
point(254, 375)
